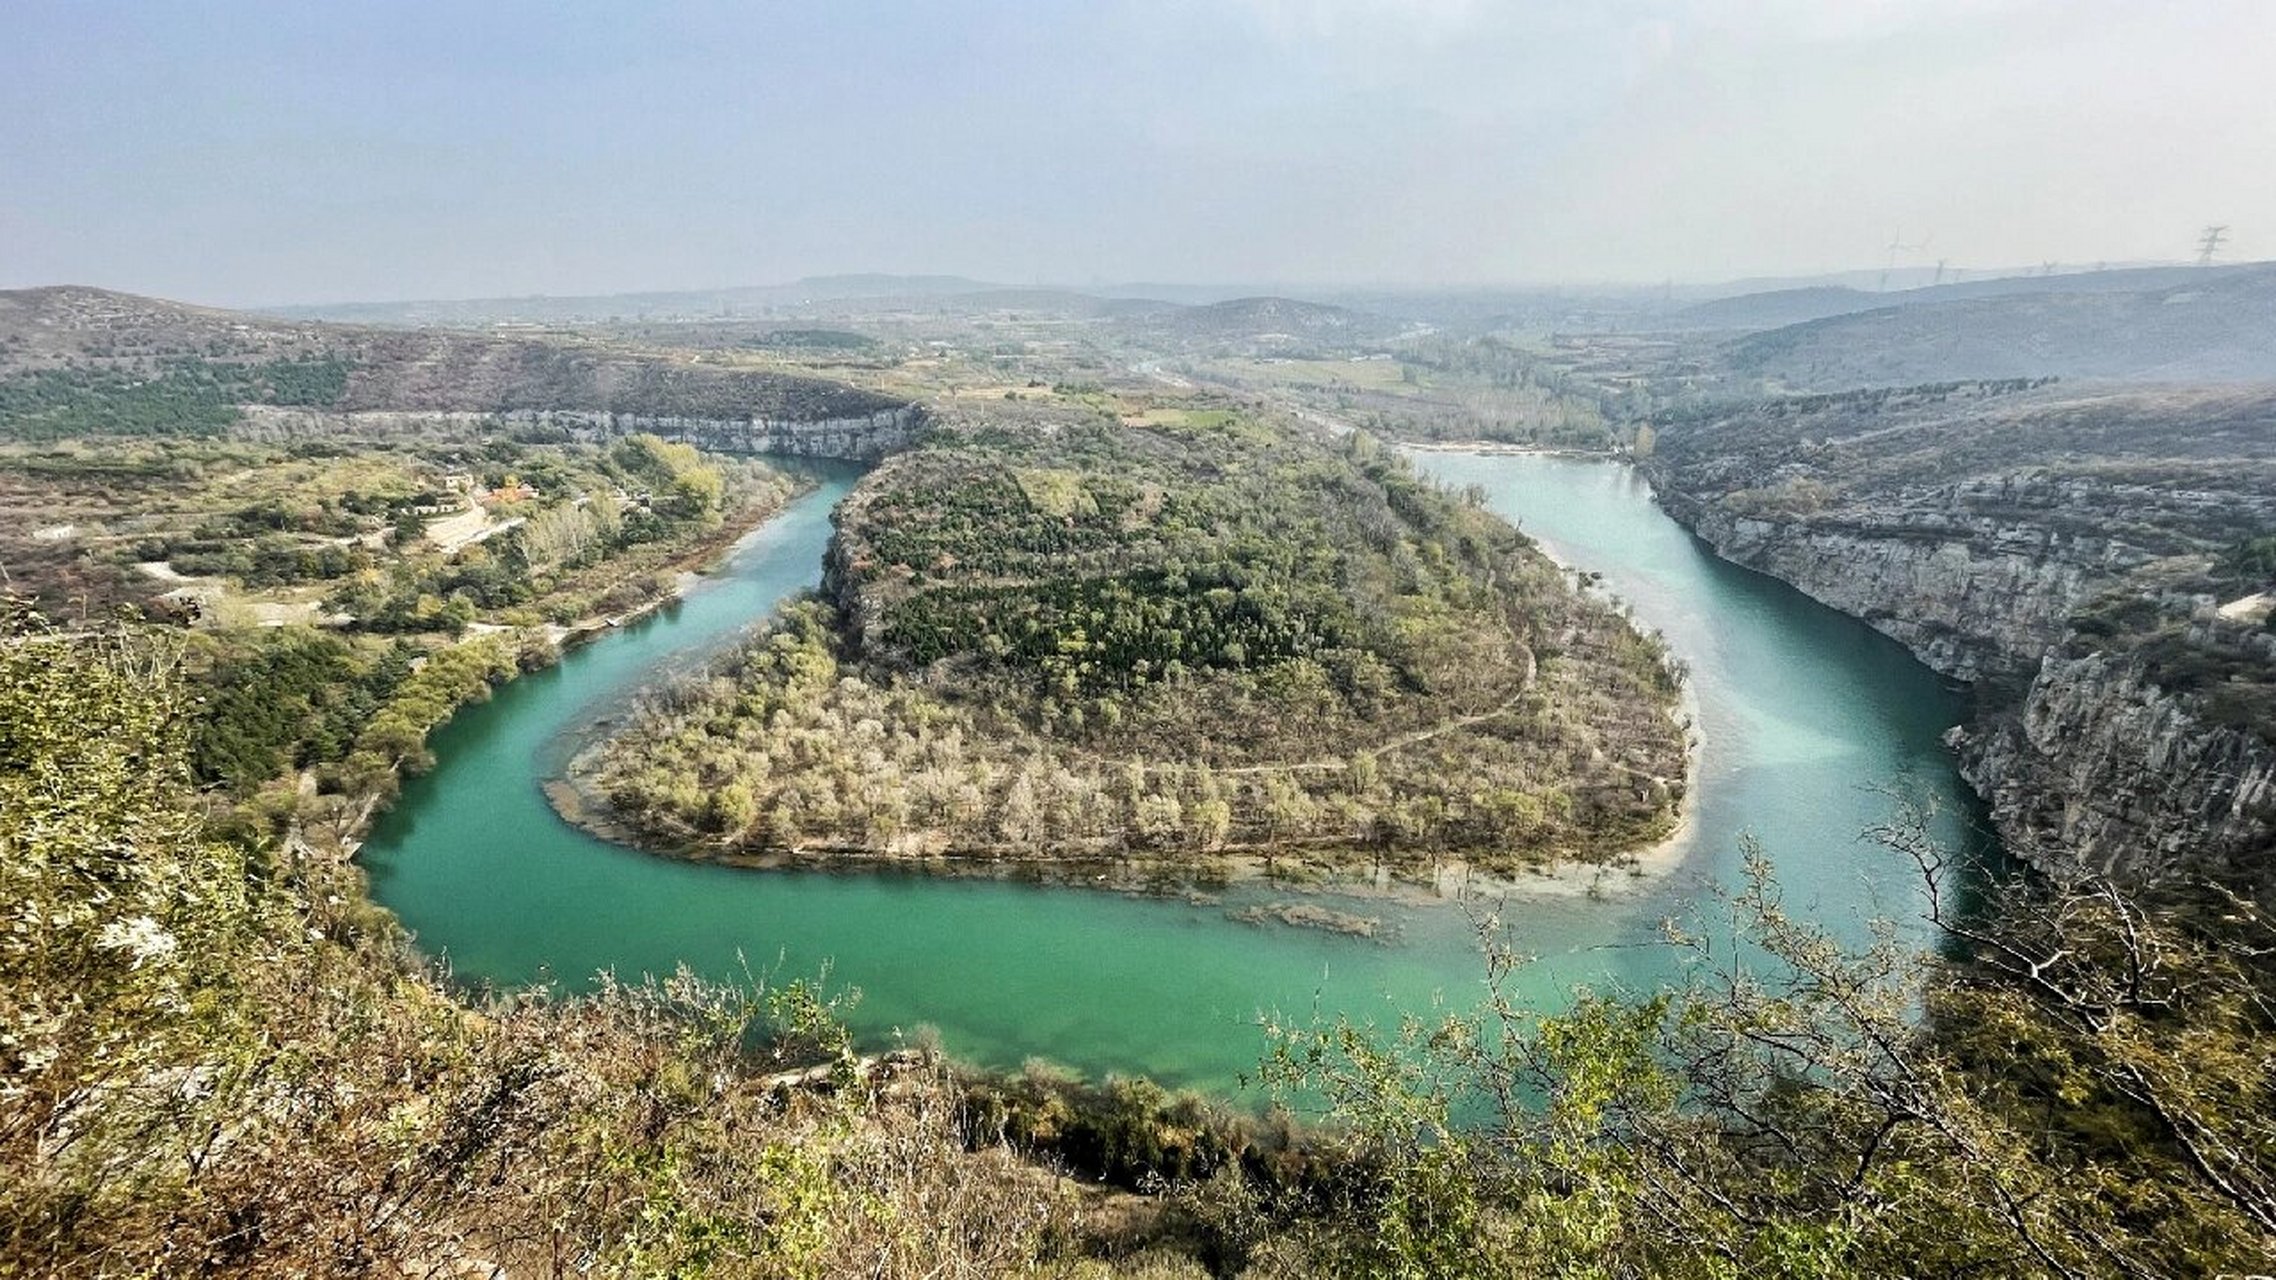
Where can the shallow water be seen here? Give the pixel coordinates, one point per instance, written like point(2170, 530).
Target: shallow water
point(1805, 713)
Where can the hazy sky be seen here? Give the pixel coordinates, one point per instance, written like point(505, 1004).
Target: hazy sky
point(310, 150)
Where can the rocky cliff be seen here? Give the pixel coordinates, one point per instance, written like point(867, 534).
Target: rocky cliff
point(2104, 768)
point(1977, 525)
point(1973, 594)
point(863, 438)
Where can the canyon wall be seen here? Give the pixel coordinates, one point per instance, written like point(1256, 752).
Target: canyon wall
point(1985, 569)
point(861, 438)
point(2104, 769)
point(1971, 593)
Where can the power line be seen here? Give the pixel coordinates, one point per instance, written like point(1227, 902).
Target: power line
point(2209, 244)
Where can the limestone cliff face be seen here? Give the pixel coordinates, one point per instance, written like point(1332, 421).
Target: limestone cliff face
point(863, 438)
point(1973, 525)
point(2097, 767)
point(1972, 594)
point(2104, 769)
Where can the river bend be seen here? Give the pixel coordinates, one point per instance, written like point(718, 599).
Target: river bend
point(1806, 716)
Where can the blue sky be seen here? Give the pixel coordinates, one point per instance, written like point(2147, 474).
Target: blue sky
point(243, 153)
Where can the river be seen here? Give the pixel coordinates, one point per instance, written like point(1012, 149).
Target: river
point(1805, 715)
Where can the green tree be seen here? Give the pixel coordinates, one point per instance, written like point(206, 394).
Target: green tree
point(2087, 1094)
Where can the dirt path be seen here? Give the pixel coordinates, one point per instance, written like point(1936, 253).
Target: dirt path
point(456, 533)
point(1404, 740)
point(1325, 764)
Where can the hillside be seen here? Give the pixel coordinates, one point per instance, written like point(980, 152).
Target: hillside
point(1052, 637)
point(207, 465)
point(1777, 308)
point(59, 345)
point(2210, 327)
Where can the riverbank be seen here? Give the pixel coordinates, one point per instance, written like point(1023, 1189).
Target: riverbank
point(688, 567)
point(342, 841)
point(1320, 862)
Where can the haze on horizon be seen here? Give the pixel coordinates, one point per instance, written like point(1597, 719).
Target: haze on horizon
point(266, 152)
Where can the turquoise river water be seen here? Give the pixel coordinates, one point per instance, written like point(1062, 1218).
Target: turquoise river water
point(1806, 716)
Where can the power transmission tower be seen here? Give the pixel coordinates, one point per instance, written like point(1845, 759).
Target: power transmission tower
point(2209, 244)
point(1897, 245)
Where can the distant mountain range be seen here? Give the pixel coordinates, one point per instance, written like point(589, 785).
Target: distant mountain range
point(1736, 305)
point(696, 304)
point(2159, 323)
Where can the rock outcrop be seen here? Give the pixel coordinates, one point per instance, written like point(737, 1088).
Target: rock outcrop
point(2106, 770)
point(1975, 526)
point(865, 438)
point(1972, 594)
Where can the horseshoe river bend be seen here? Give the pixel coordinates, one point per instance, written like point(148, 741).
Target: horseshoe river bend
point(1807, 719)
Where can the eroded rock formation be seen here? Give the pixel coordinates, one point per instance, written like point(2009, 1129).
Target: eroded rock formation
point(1982, 527)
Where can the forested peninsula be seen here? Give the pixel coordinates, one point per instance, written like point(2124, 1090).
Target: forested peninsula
point(1077, 635)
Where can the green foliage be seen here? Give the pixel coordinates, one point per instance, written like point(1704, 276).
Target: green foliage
point(185, 396)
point(581, 548)
point(352, 515)
point(122, 919)
point(290, 697)
point(445, 680)
point(270, 561)
point(206, 1068)
point(1130, 556)
point(358, 712)
point(2251, 560)
point(689, 488)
